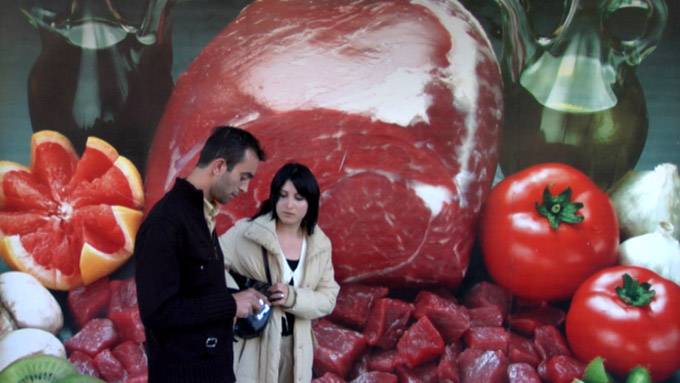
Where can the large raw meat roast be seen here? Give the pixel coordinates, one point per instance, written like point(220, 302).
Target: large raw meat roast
point(394, 105)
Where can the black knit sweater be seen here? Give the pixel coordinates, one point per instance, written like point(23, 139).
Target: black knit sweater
point(185, 306)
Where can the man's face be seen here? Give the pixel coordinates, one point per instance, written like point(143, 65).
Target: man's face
point(228, 184)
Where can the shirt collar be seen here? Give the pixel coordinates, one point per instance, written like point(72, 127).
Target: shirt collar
point(210, 211)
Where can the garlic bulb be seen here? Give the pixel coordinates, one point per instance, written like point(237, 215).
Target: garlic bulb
point(645, 199)
point(657, 251)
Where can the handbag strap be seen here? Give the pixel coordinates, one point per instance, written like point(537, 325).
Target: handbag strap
point(265, 259)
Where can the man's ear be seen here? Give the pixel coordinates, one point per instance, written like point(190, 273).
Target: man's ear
point(218, 166)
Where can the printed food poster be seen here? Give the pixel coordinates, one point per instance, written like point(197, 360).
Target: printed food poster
point(499, 178)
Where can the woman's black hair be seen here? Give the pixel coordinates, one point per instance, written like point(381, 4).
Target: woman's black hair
point(306, 185)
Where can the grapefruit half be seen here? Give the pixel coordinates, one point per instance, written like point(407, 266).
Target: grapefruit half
point(69, 221)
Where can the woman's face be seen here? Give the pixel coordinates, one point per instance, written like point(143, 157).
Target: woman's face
point(291, 207)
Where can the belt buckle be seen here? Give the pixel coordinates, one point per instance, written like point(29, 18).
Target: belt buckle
point(211, 342)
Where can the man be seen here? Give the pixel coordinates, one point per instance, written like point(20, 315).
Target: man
point(187, 311)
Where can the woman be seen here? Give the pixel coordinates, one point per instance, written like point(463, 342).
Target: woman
point(303, 284)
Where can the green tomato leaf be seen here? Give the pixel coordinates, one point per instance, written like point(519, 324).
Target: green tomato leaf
point(639, 375)
point(634, 293)
point(559, 208)
point(596, 373)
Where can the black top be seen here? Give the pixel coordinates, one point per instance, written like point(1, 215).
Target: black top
point(288, 321)
point(293, 264)
point(185, 306)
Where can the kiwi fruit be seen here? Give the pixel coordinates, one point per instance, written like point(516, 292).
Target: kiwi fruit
point(37, 369)
point(80, 379)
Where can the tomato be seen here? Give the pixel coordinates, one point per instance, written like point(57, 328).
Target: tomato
point(627, 321)
point(545, 229)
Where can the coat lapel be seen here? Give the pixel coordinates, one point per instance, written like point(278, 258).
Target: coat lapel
point(262, 231)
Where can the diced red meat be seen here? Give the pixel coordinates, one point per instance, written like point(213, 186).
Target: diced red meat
point(133, 357)
point(128, 324)
point(376, 377)
point(486, 294)
point(489, 316)
point(447, 369)
point(522, 373)
point(387, 322)
point(477, 366)
point(444, 293)
point(88, 302)
point(97, 335)
point(549, 342)
point(525, 304)
point(521, 350)
point(450, 319)
point(123, 294)
point(526, 321)
point(109, 367)
point(487, 338)
point(427, 300)
point(337, 348)
point(385, 361)
point(354, 304)
point(359, 367)
point(137, 379)
point(83, 363)
point(561, 369)
point(426, 373)
point(421, 343)
point(329, 377)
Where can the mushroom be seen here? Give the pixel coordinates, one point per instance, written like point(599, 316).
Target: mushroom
point(28, 341)
point(29, 304)
point(6, 322)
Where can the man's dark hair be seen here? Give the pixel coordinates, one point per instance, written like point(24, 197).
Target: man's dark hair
point(230, 144)
point(306, 185)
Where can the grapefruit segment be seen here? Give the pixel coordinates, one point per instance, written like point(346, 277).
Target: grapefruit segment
point(21, 191)
point(20, 223)
point(18, 258)
point(128, 221)
point(108, 234)
point(99, 228)
point(68, 221)
point(95, 264)
point(53, 161)
point(97, 158)
point(120, 185)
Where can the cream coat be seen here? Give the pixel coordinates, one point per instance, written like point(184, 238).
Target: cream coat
point(257, 360)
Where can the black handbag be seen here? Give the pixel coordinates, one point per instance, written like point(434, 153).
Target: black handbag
point(253, 325)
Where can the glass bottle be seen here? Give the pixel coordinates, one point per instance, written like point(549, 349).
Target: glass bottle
point(575, 98)
point(98, 75)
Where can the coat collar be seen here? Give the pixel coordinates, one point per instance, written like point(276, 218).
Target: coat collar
point(262, 230)
point(188, 189)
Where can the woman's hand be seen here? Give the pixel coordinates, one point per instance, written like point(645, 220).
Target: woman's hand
point(278, 294)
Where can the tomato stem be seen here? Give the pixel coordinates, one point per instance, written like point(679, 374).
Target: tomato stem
point(635, 293)
point(559, 208)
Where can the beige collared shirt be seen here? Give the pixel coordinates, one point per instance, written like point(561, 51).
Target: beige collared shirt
point(210, 211)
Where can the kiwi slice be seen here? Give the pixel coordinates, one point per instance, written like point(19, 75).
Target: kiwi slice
point(80, 379)
point(37, 369)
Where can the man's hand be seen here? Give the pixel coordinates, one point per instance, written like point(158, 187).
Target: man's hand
point(248, 302)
